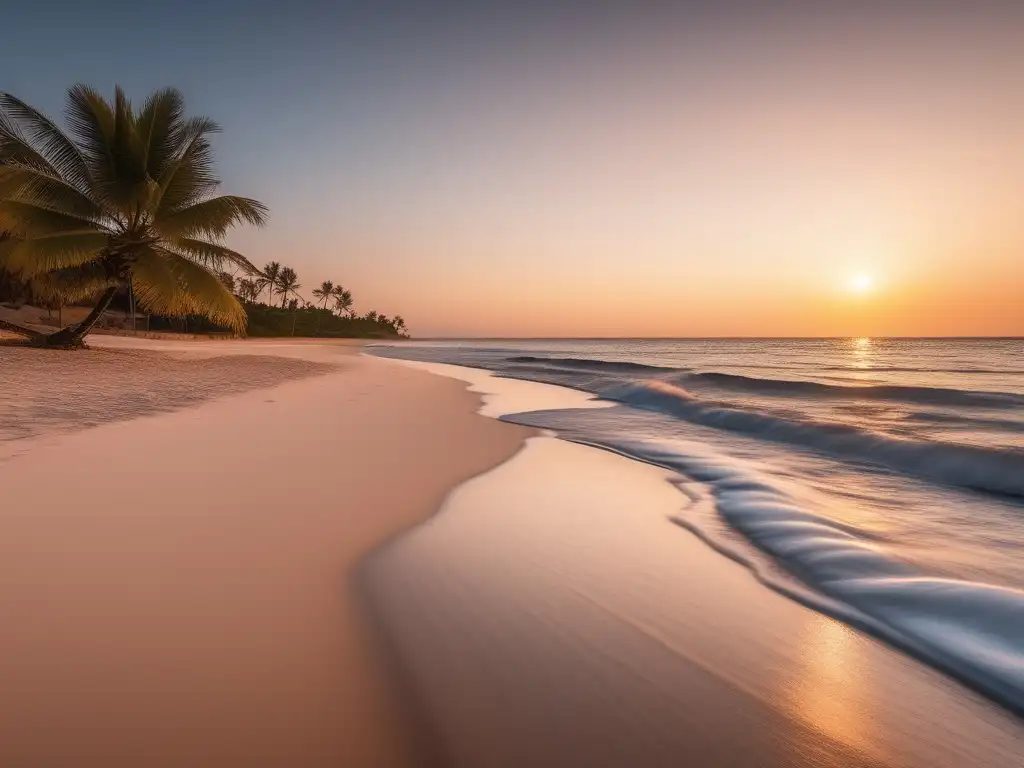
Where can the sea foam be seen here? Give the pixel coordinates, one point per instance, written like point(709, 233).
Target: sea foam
point(972, 630)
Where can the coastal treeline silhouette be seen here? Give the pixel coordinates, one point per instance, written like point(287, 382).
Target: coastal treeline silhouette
point(275, 307)
point(124, 207)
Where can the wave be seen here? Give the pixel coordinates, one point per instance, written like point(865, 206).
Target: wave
point(972, 630)
point(902, 369)
point(971, 422)
point(993, 470)
point(590, 365)
point(685, 378)
point(923, 395)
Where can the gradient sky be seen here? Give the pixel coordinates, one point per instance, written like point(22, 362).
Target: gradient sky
point(709, 170)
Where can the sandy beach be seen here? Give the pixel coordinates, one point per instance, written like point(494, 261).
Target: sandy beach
point(179, 531)
point(234, 575)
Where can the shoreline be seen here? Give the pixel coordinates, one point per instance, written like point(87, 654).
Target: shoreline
point(301, 565)
point(554, 609)
point(179, 589)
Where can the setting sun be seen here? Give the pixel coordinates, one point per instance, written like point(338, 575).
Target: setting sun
point(861, 283)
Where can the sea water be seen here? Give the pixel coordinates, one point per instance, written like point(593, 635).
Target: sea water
point(878, 480)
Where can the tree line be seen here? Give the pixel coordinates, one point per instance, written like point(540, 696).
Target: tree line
point(279, 283)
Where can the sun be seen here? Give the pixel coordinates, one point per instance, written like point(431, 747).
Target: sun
point(861, 283)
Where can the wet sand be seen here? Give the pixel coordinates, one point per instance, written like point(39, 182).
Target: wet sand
point(177, 588)
point(551, 614)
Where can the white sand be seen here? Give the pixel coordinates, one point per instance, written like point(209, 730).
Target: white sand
point(177, 589)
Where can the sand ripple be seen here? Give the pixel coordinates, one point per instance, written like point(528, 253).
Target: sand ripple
point(45, 392)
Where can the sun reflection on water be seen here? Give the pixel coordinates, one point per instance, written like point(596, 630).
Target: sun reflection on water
point(862, 353)
point(831, 695)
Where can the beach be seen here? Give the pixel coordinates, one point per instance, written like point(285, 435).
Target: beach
point(308, 556)
point(551, 614)
point(176, 586)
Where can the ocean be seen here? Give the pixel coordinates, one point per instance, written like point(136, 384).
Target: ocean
point(879, 481)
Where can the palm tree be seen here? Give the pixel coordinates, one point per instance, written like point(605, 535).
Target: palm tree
point(228, 279)
point(125, 195)
point(268, 279)
point(372, 316)
point(287, 282)
point(342, 299)
point(248, 289)
point(325, 291)
point(399, 324)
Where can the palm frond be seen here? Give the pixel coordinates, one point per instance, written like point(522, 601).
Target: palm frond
point(189, 177)
point(60, 152)
point(31, 219)
point(159, 128)
point(26, 181)
point(171, 284)
point(91, 123)
point(211, 254)
point(212, 218)
point(73, 284)
point(29, 257)
point(106, 135)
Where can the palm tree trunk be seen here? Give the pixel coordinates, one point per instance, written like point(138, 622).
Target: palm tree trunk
point(28, 333)
point(131, 300)
point(72, 336)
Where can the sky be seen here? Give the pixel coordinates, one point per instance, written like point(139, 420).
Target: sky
point(599, 170)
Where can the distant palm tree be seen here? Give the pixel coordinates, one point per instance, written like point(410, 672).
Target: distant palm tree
point(325, 291)
point(293, 306)
point(342, 300)
point(126, 195)
point(287, 282)
point(248, 289)
point(372, 316)
point(399, 324)
point(228, 279)
point(268, 279)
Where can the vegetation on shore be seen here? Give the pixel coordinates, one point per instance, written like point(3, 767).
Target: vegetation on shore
point(126, 197)
point(124, 205)
point(330, 316)
point(275, 308)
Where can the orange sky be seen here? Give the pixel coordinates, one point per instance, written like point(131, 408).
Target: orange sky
point(724, 177)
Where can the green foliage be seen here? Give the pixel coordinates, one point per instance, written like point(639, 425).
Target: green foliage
point(266, 320)
point(324, 293)
point(268, 279)
point(125, 194)
point(287, 283)
point(342, 300)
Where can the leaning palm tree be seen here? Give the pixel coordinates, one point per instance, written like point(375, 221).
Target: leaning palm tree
point(342, 300)
point(399, 324)
point(287, 282)
point(125, 195)
point(324, 292)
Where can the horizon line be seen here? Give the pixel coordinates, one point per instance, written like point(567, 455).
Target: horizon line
point(712, 338)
